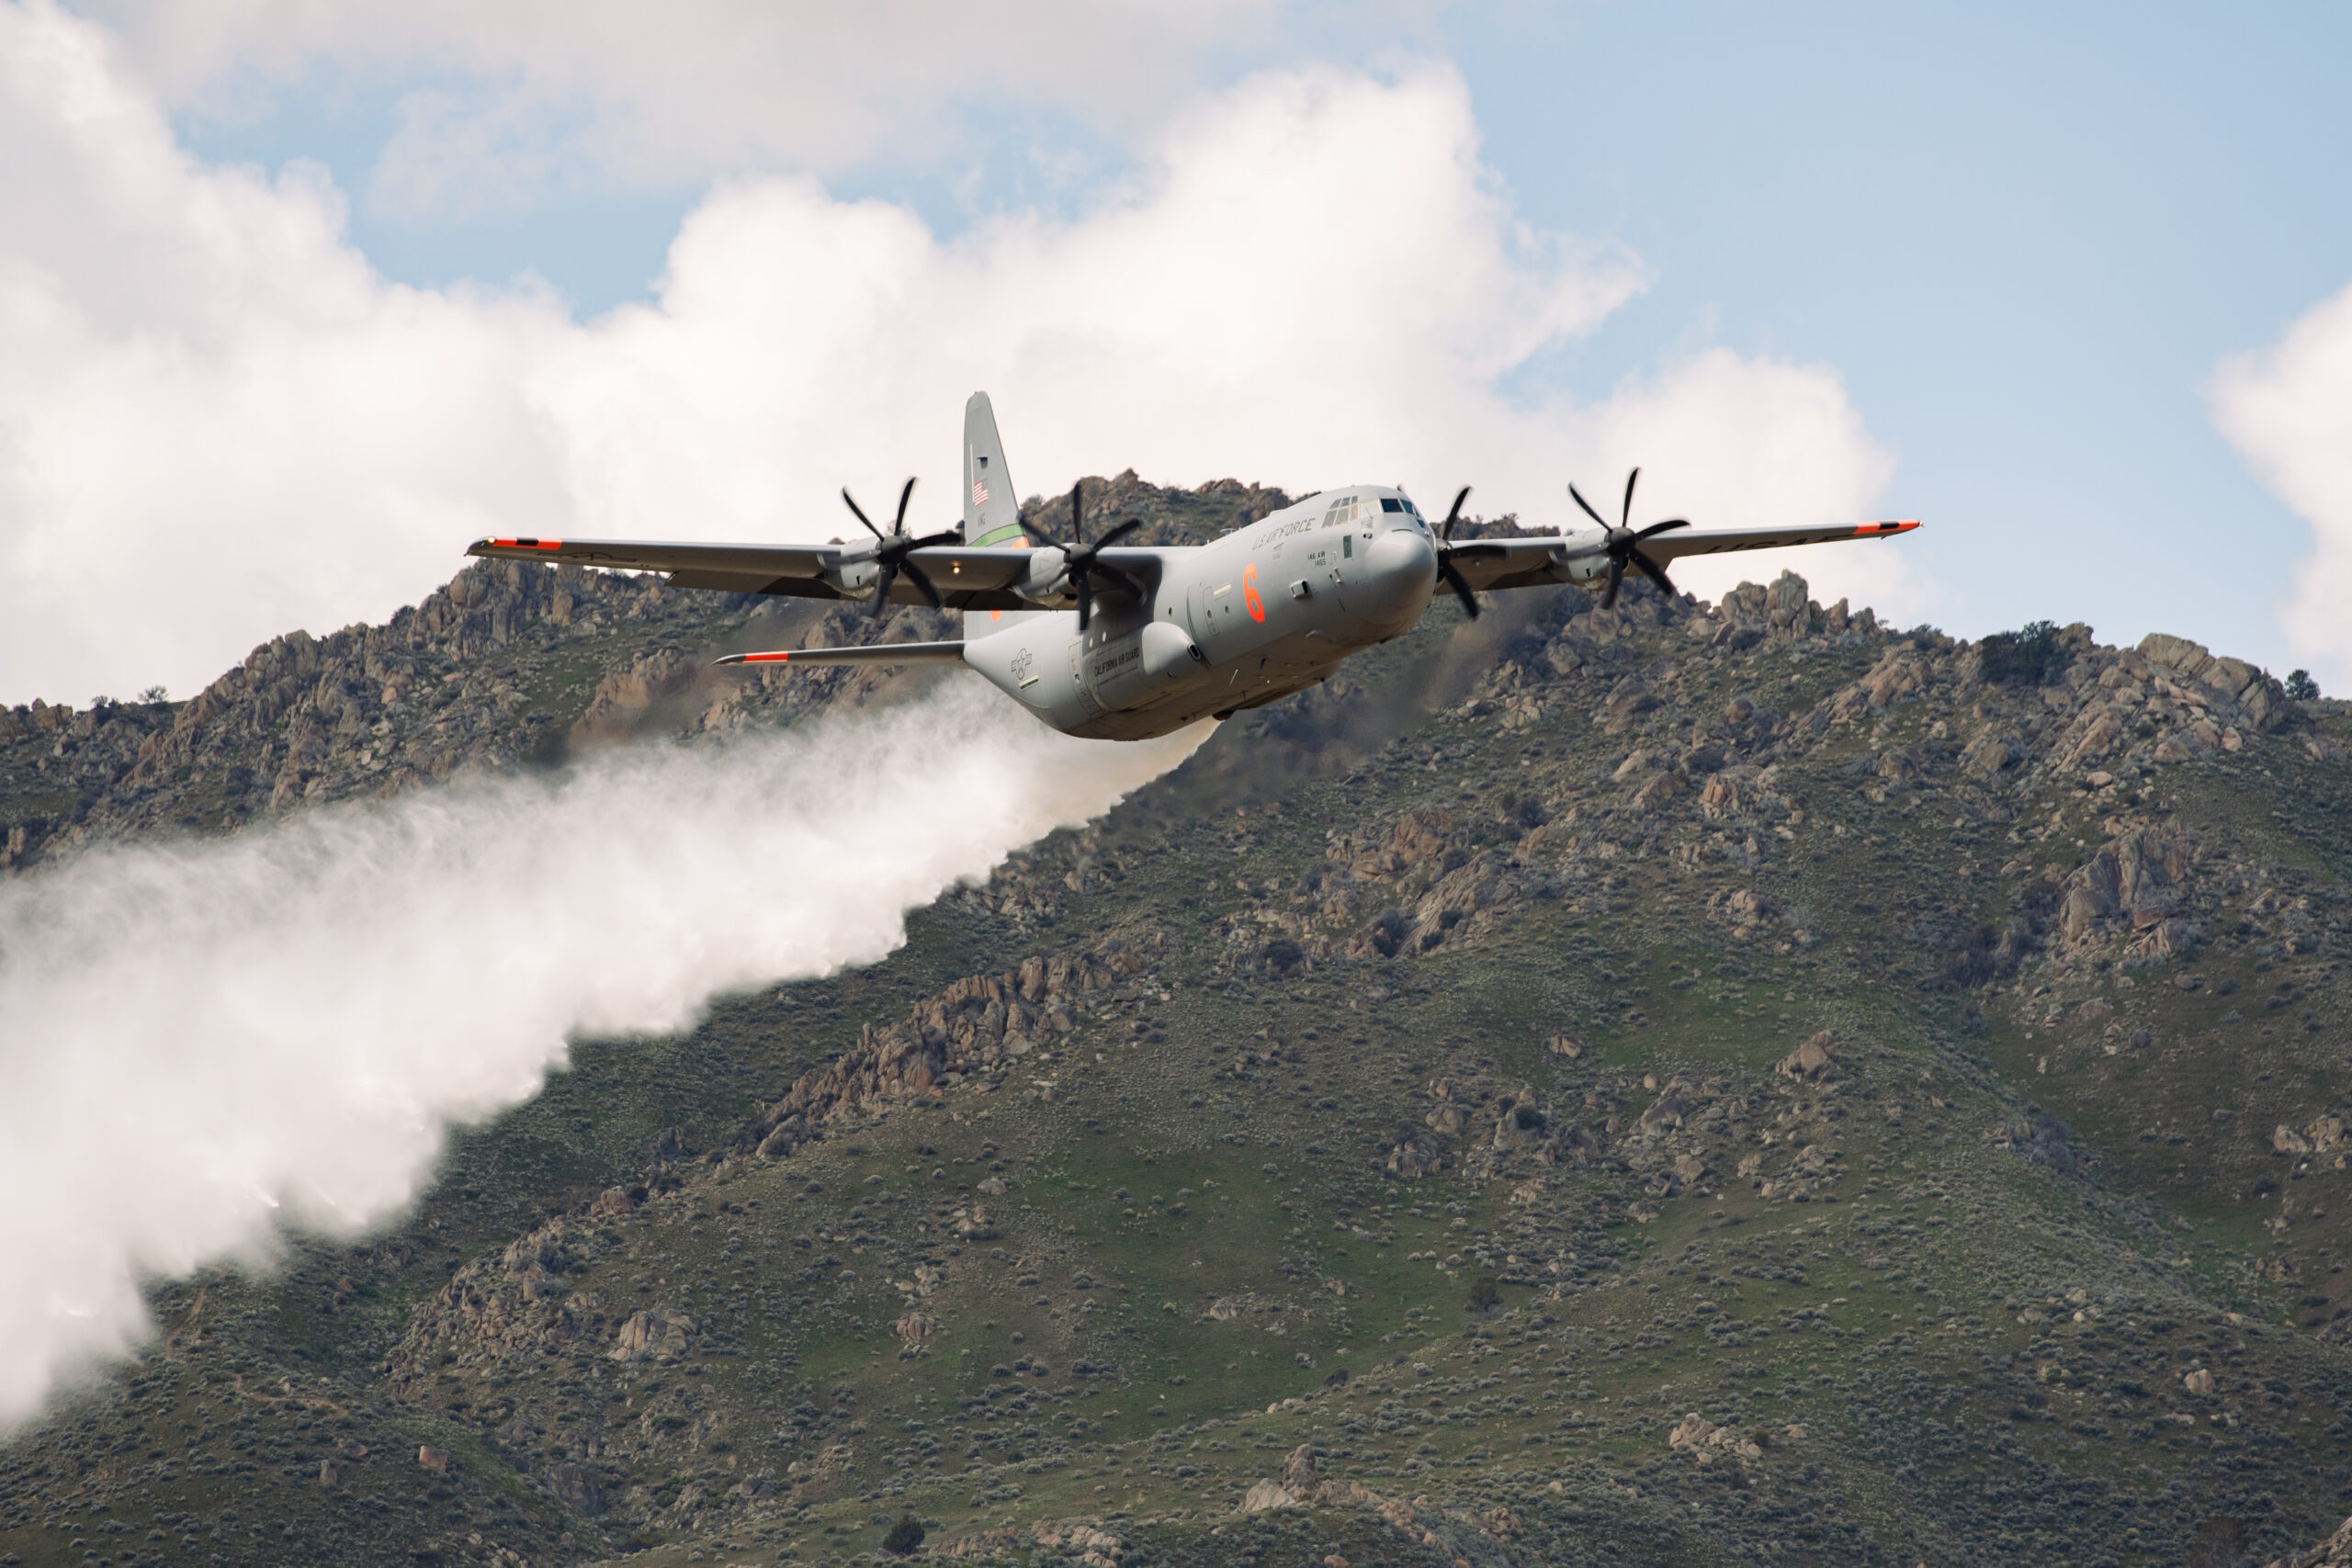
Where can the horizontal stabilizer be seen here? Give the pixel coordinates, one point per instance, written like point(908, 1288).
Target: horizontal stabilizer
point(879, 653)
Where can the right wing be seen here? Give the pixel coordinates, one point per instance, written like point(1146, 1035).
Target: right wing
point(967, 578)
point(750, 563)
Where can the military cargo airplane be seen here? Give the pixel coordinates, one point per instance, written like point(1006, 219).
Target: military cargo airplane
point(1125, 642)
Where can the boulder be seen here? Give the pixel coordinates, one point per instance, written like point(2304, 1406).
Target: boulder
point(2142, 874)
point(2229, 684)
point(1816, 1058)
point(1268, 1495)
point(1661, 788)
point(1704, 1440)
point(1299, 1470)
point(1666, 1114)
point(574, 1487)
point(1298, 1487)
point(653, 1334)
point(1990, 754)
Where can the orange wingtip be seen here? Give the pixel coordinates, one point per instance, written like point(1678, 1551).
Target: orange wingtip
point(761, 657)
point(1901, 525)
point(527, 544)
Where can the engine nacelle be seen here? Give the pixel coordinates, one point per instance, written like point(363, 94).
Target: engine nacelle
point(1132, 671)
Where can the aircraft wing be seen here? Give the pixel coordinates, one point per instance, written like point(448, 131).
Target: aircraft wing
point(1532, 559)
point(1522, 562)
point(753, 562)
point(1663, 547)
point(967, 578)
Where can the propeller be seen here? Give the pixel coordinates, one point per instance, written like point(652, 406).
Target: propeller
point(892, 549)
point(1447, 572)
point(1623, 543)
point(1079, 564)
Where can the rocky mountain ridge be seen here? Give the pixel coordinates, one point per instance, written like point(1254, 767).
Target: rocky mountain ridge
point(1683, 1084)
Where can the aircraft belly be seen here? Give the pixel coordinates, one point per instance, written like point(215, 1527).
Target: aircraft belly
point(1035, 661)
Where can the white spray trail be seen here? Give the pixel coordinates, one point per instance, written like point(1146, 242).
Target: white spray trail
point(202, 1041)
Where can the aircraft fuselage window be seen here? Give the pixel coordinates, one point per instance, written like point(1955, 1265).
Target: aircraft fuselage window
point(1390, 504)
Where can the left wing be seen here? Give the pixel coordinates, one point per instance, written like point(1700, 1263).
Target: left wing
point(1531, 561)
point(1663, 547)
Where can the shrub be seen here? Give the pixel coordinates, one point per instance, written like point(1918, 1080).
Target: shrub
point(904, 1537)
point(1486, 1293)
point(2026, 656)
point(2220, 1543)
point(2301, 686)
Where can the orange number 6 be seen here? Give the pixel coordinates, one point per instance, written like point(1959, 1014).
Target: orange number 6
point(1256, 605)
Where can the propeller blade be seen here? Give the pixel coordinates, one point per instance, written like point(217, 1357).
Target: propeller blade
point(922, 579)
point(1589, 511)
point(1124, 580)
point(1040, 535)
point(1651, 570)
point(1662, 528)
point(860, 513)
point(882, 590)
point(945, 536)
point(1076, 514)
point(1121, 532)
point(1616, 581)
point(1627, 517)
point(1454, 579)
point(904, 496)
point(1453, 515)
point(1085, 600)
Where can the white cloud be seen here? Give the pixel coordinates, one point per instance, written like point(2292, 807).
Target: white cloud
point(218, 1039)
point(2288, 409)
point(691, 89)
point(217, 421)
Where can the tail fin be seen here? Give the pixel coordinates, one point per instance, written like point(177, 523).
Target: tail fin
point(991, 509)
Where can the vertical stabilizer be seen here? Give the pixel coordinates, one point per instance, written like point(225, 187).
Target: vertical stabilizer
point(991, 510)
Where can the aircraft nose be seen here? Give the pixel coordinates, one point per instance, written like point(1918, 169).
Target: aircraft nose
point(1398, 572)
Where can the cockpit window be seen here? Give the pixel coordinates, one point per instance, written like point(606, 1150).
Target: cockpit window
point(1390, 504)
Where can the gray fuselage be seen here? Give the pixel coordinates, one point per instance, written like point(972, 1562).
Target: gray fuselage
point(1266, 610)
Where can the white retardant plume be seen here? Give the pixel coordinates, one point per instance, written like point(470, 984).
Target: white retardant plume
point(203, 1041)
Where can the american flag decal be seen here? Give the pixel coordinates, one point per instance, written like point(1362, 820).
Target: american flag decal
point(979, 493)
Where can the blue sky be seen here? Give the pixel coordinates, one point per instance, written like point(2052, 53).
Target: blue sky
point(2024, 234)
point(2021, 237)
